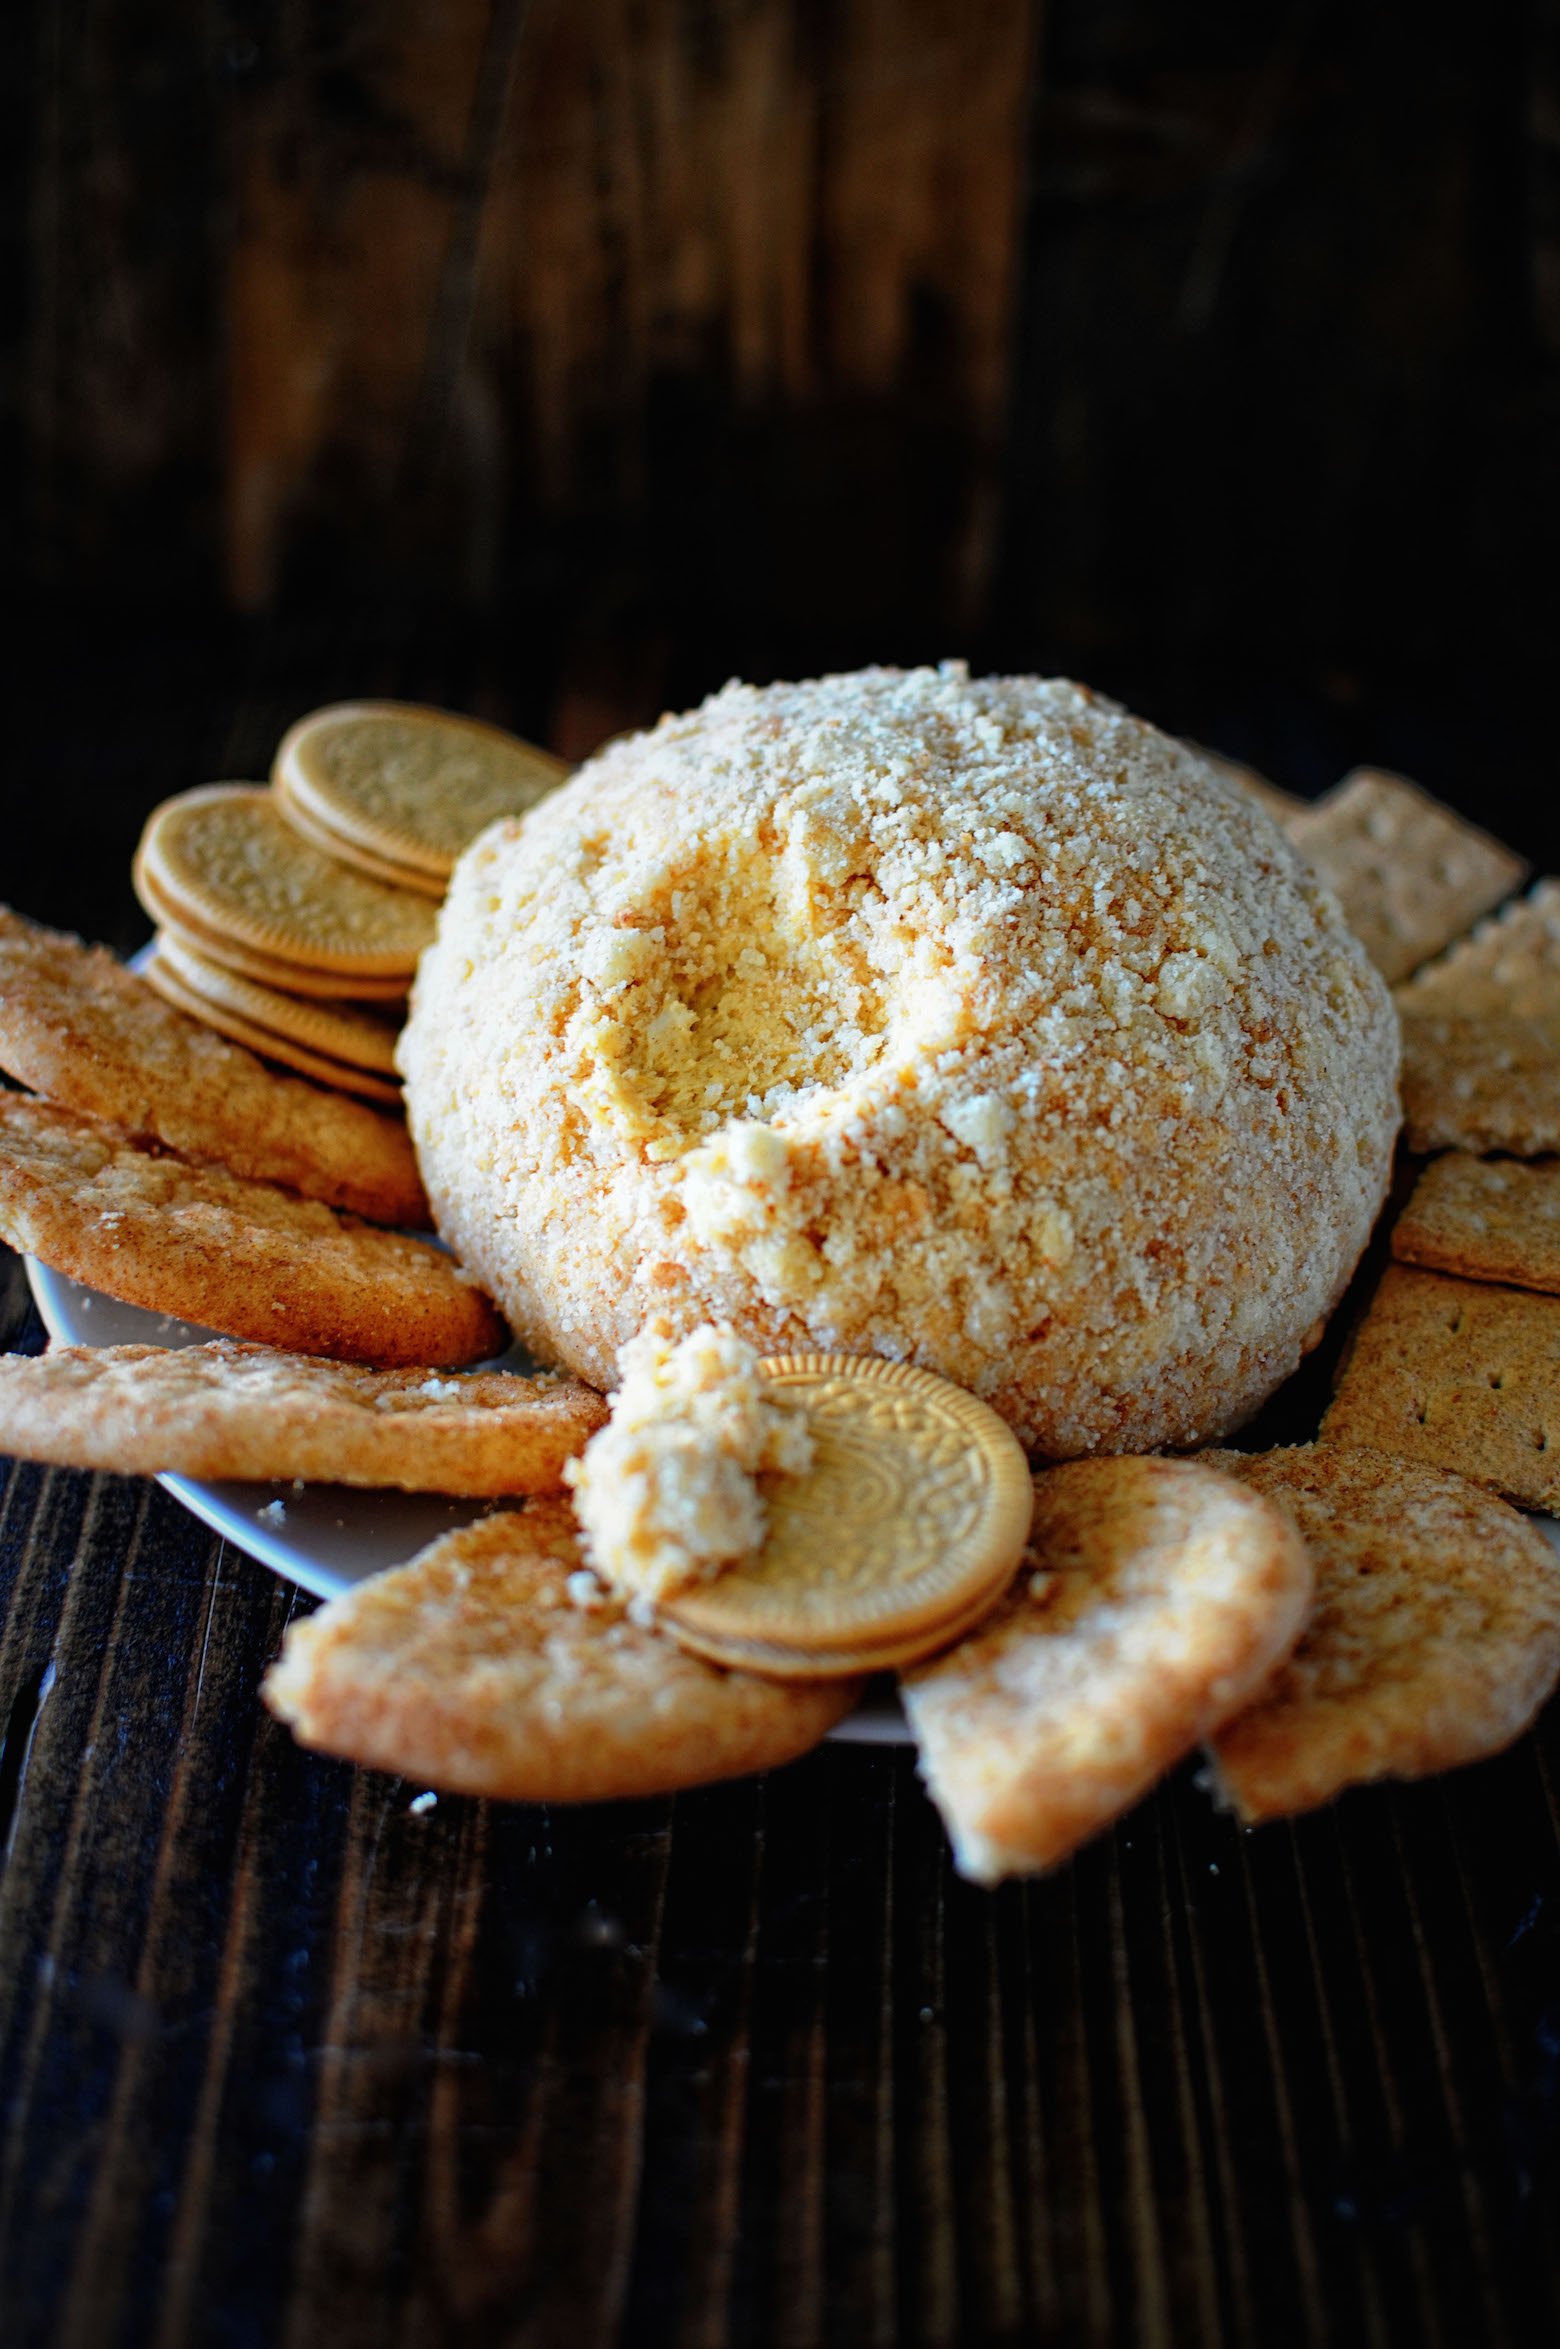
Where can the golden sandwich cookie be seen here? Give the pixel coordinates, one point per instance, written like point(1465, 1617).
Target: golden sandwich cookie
point(908, 1525)
point(350, 853)
point(407, 786)
point(225, 860)
point(163, 974)
point(338, 1031)
point(266, 970)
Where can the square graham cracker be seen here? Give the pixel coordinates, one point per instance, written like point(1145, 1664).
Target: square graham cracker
point(1509, 968)
point(1411, 874)
point(1460, 1374)
point(1487, 1219)
point(1481, 1083)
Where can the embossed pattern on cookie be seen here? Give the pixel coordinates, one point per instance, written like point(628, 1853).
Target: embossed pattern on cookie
point(916, 1507)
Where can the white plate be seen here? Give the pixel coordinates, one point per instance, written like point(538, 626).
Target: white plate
point(324, 1537)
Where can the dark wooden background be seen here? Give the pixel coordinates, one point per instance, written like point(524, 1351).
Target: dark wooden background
point(612, 347)
point(557, 361)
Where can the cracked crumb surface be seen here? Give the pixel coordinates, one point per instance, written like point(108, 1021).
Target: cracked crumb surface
point(667, 1493)
point(966, 1022)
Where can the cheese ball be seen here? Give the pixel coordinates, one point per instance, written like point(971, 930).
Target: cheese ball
point(966, 1022)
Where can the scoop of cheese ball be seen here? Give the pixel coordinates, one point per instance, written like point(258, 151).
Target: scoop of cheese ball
point(968, 1022)
point(667, 1493)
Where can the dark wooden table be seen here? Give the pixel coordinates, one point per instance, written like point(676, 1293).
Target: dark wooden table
point(288, 2059)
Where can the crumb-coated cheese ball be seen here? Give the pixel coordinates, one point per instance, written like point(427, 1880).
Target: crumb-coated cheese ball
point(968, 1022)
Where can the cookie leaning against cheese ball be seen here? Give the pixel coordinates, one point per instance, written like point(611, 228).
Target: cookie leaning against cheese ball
point(473, 1669)
point(1434, 1639)
point(406, 786)
point(1156, 1598)
point(79, 1028)
point(245, 1259)
point(967, 1022)
point(229, 1410)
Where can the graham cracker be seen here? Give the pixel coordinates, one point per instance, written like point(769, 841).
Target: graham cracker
point(228, 1410)
point(1411, 874)
point(474, 1669)
point(1509, 968)
point(1156, 1596)
point(1488, 1219)
point(1481, 1084)
point(78, 1027)
point(1461, 1375)
point(1434, 1639)
point(246, 1259)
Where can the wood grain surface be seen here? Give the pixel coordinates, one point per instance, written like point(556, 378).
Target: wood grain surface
point(552, 362)
point(285, 2060)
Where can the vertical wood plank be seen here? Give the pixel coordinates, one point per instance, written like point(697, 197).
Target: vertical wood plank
point(531, 220)
point(124, 2239)
point(123, 356)
point(350, 164)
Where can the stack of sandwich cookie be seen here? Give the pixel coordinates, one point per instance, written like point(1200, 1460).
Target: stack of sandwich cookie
point(274, 944)
point(338, 1044)
point(905, 1531)
point(282, 911)
point(397, 792)
point(221, 863)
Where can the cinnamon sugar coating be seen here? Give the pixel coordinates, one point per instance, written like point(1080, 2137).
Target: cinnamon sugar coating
point(966, 1022)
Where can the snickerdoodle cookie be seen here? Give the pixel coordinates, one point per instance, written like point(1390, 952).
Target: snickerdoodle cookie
point(227, 1410)
point(970, 1022)
point(1161, 1597)
point(79, 1028)
point(245, 1258)
point(481, 1667)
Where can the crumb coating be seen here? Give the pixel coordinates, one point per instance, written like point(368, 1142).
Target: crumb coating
point(966, 1022)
